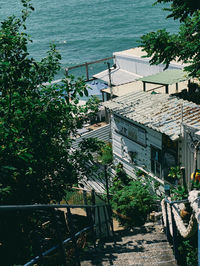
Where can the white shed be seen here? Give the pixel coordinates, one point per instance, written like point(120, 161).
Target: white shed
point(146, 131)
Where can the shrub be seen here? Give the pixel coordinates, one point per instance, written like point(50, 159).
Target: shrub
point(132, 203)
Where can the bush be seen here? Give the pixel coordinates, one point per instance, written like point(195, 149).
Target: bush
point(132, 203)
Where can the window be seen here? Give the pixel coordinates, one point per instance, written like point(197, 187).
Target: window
point(156, 161)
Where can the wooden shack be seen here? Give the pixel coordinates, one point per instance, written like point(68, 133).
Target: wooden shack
point(147, 131)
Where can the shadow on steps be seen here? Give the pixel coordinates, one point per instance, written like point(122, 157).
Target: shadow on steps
point(144, 245)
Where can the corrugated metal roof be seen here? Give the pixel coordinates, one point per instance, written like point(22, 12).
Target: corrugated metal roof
point(102, 133)
point(167, 77)
point(160, 112)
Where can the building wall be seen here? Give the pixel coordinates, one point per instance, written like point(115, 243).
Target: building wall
point(123, 144)
point(187, 150)
point(140, 66)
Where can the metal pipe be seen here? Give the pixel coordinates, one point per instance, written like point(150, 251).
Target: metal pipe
point(42, 207)
point(174, 230)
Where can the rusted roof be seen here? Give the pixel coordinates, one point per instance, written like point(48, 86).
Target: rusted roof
point(161, 112)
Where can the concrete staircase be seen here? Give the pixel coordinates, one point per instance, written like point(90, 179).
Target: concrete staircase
point(146, 245)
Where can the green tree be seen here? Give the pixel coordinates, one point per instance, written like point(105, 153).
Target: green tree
point(37, 122)
point(183, 46)
point(37, 126)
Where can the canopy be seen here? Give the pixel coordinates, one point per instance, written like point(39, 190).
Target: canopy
point(166, 78)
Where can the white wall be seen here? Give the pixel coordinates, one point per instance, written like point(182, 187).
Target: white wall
point(187, 151)
point(122, 144)
point(140, 66)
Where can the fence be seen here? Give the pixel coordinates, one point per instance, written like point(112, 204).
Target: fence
point(52, 232)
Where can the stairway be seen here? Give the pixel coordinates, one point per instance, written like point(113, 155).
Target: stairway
point(145, 245)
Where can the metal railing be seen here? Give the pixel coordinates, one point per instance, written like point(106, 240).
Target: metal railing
point(86, 65)
point(96, 217)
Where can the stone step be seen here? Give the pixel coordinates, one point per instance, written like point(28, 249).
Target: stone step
point(142, 246)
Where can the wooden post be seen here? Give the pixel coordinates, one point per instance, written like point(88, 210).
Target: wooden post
point(85, 200)
point(59, 235)
point(99, 220)
point(144, 86)
point(92, 217)
point(167, 89)
point(167, 229)
point(87, 71)
point(107, 186)
point(93, 197)
point(176, 87)
point(72, 234)
point(174, 230)
point(106, 220)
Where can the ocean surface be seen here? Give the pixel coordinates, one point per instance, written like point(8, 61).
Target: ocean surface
point(87, 30)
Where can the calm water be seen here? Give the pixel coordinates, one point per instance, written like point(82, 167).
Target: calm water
point(86, 30)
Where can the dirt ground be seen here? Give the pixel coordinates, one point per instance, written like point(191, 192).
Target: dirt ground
point(81, 211)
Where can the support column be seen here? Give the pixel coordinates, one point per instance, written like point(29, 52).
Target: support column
point(87, 72)
point(167, 89)
point(144, 86)
point(176, 87)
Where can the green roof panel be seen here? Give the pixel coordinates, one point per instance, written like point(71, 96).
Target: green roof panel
point(167, 77)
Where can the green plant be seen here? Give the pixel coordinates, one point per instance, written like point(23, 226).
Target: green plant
point(175, 172)
point(179, 193)
point(188, 251)
point(140, 172)
point(132, 203)
point(105, 154)
point(37, 123)
point(121, 178)
point(196, 185)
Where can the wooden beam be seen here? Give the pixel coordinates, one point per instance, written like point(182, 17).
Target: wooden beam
point(87, 72)
point(92, 62)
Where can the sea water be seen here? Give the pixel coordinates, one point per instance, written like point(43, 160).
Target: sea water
point(87, 30)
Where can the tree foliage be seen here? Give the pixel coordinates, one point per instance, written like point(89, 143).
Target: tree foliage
point(184, 46)
point(181, 9)
point(37, 122)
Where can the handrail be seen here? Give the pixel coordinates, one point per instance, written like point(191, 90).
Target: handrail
point(175, 201)
point(37, 258)
point(92, 224)
point(89, 63)
point(86, 64)
point(43, 207)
